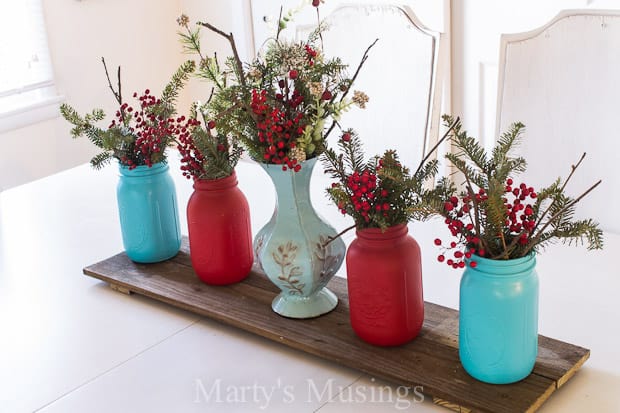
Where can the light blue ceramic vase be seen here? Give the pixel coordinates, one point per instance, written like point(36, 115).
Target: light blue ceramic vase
point(292, 248)
point(498, 319)
point(147, 205)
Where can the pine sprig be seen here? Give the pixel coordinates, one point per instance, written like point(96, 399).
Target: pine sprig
point(381, 192)
point(137, 137)
point(283, 105)
point(100, 160)
point(206, 153)
point(171, 91)
point(493, 218)
point(499, 155)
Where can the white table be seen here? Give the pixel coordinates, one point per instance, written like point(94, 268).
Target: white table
point(69, 343)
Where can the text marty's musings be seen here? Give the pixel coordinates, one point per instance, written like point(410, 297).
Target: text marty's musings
point(262, 395)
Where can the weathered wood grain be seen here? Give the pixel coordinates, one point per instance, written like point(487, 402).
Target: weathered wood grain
point(431, 360)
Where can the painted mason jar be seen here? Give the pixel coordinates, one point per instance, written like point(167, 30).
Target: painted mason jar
point(498, 319)
point(384, 280)
point(148, 212)
point(220, 234)
point(295, 248)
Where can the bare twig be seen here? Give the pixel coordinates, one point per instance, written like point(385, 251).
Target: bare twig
point(195, 47)
point(118, 79)
point(539, 234)
point(472, 195)
point(279, 25)
point(318, 24)
point(509, 247)
point(233, 45)
point(434, 148)
point(341, 233)
point(357, 71)
point(570, 175)
point(117, 95)
point(359, 67)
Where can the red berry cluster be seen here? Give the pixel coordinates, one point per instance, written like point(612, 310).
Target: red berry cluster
point(152, 133)
point(519, 215)
point(279, 129)
point(192, 158)
point(366, 194)
point(456, 211)
point(519, 222)
point(311, 54)
point(459, 256)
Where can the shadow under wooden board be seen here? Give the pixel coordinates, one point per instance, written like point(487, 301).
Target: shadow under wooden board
point(430, 361)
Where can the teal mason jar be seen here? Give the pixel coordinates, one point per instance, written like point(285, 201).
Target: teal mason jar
point(498, 319)
point(147, 205)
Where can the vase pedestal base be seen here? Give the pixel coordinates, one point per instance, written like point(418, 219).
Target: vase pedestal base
point(294, 306)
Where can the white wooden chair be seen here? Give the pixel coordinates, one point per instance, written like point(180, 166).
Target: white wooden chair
point(401, 76)
point(563, 82)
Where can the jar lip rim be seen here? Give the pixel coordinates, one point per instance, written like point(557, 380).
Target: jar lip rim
point(514, 267)
point(143, 169)
point(379, 234)
point(219, 183)
point(504, 263)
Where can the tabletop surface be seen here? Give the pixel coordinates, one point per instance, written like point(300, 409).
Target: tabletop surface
point(69, 343)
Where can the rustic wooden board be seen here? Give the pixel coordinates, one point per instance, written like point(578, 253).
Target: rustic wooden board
point(431, 360)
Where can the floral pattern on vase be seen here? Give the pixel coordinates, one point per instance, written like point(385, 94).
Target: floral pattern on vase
point(295, 248)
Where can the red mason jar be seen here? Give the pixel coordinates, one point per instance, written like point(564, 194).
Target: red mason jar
point(384, 277)
point(220, 235)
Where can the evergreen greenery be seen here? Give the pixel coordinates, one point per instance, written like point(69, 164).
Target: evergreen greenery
point(206, 153)
point(493, 217)
point(380, 192)
point(282, 105)
point(134, 137)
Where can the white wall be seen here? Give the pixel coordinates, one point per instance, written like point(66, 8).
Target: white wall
point(231, 16)
point(139, 35)
point(134, 34)
point(476, 29)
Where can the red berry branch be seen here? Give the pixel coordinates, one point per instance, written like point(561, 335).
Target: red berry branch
point(283, 105)
point(135, 136)
point(518, 223)
point(205, 153)
point(381, 192)
point(496, 219)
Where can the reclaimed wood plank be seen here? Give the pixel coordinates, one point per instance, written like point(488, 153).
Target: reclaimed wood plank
point(431, 360)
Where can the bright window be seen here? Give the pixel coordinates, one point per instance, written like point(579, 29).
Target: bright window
point(27, 92)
